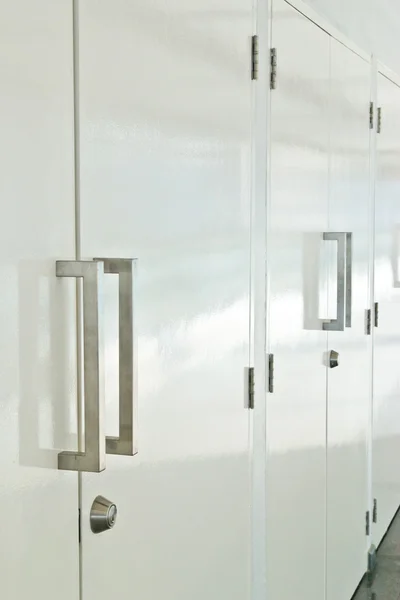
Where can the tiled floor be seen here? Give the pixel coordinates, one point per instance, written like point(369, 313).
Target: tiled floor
point(386, 582)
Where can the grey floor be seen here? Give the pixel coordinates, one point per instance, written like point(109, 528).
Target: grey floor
point(386, 580)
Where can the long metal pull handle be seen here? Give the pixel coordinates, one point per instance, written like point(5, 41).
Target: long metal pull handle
point(344, 281)
point(93, 458)
point(125, 442)
point(395, 256)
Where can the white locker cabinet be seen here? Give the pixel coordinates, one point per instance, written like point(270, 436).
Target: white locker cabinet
point(39, 552)
point(386, 406)
point(348, 390)
point(298, 216)
point(319, 216)
point(165, 115)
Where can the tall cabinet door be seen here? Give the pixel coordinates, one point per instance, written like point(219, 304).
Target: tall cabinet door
point(386, 408)
point(165, 114)
point(297, 260)
point(348, 385)
point(39, 551)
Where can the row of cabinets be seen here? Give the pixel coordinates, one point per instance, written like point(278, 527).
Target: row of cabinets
point(333, 432)
point(129, 305)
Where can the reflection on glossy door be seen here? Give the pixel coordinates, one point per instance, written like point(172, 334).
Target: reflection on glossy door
point(296, 411)
point(386, 409)
point(348, 398)
point(165, 149)
point(38, 504)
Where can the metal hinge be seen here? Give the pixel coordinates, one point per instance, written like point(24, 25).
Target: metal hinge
point(371, 115)
point(367, 523)
point(79, 526)
point(376, 314)
point(273, 66)
point(379, 124)
point(254, 57)
point(368, 321)
point(249, 399)
point(271, 373)
point(372, 564)
point(375, 511)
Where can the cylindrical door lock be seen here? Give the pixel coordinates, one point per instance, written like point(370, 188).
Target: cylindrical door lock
point(333, 359)
point(103, 515)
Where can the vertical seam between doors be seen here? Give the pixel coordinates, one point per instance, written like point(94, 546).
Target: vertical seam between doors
point(79, 350)
point(329, 112)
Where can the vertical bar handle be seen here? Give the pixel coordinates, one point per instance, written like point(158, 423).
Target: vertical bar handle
point(125, 443)
point(344, 281)
point(93, 457)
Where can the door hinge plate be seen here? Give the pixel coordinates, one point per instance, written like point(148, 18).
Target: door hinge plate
point(367, 523)
point(371, 115)
point(273, 68)
point(271, 367)
point(375, 511)
point(254, 57)
point(376, 314)
point(372, 562)
point(249, 394)
point(368, 324)
point(79, 526)
point(379, 118)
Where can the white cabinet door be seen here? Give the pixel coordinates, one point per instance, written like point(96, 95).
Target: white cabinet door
point(349, 385)
point(39, 551)
point(297, 262)
point(386, 409)
point(165, 148)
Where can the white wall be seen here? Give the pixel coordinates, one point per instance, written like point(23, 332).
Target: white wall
point(372, 24)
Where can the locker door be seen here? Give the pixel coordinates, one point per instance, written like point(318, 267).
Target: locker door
point(297, 261)
point(39, 551)
point(386, 409)
point(349, 384)
point(165, 146)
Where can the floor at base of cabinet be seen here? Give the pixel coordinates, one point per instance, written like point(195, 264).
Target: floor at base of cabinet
point(386, 580)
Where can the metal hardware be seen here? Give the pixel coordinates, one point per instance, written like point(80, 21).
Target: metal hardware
point(349, 277)
point(367, 523)
point(249, 394)
point(93, 457)
point(371, 115)
point(103, 515)
point(375, 511)
point(273, 68)
point(368, 321)
point(376, 314)
point(344, 281)
point(125, 443)
point(379, 124)
point(271, 368)
point(333, 359)
point(254, 57)
point(395, 255)
point(372, 564)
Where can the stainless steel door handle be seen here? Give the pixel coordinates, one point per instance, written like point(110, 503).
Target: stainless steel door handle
point(125, 442)
point(93, 457)
point(344, 281)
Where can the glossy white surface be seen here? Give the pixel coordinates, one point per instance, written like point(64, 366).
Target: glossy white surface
point(38, 503)
point(386, 418)
point(372, 24)
point(317, 418)
point(349, 384)
point(298, 216)
point(165, 177)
